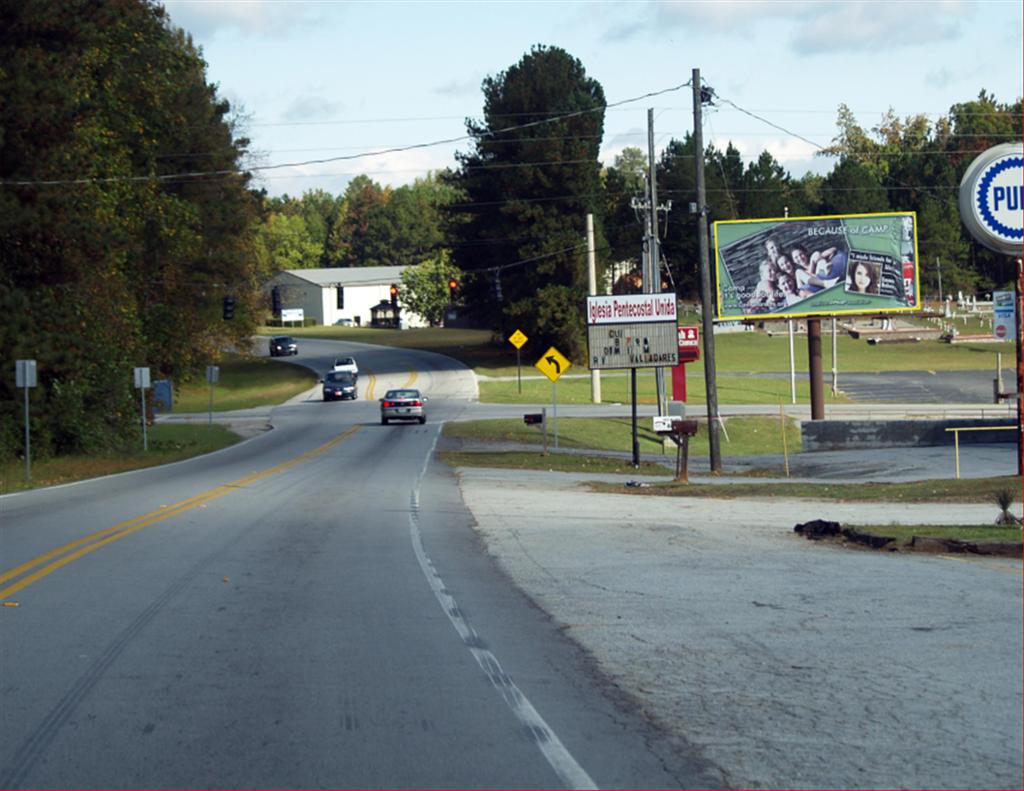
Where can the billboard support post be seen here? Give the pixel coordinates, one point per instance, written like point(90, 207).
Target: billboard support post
point(792, 365)
point(814, 360)
point(835, 361)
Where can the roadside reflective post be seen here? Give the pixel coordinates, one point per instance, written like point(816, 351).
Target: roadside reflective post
point(25, 377)
point(142, 383)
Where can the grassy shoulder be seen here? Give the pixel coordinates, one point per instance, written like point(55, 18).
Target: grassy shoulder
point(905, 534)
point(616, 388)
point(982, 490)
point(246, 382)
point(748, 435)
point(167, 443)
point(735, 353)
point(552, 462)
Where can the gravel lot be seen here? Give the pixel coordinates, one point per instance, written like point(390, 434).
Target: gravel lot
point(787, 663)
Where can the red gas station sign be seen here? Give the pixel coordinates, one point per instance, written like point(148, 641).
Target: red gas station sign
point(688, 339)
point(689, 344)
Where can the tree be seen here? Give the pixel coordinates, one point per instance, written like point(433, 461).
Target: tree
point(529, 183)
point(353, 241)
point(284, 242)
point(625, 180)
point(425, 287)
point(766, 189)
point(852, 188)
point(122, 262)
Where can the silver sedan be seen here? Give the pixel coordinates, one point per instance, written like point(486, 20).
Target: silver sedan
point(405, 404)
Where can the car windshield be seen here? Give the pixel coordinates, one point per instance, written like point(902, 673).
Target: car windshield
point(344, 361)
point(402, 394)
point(284, 339)
point(340, 377)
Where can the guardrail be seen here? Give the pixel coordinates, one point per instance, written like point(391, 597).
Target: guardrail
point(956, 439)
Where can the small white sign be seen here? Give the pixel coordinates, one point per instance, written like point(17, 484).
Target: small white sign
point(1004, 315)
point(141, 378)
point(662, 424)
point(293, 314)
point(25, 373)
point(212, 374)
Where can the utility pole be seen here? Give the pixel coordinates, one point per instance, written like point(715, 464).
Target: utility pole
point(595, 374)
point(653, 278)
point(711, 387)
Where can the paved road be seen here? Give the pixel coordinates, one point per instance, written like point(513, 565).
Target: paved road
point(321, 606)
point(309, 608)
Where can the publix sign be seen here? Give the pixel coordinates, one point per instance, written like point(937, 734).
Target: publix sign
point(991, 198)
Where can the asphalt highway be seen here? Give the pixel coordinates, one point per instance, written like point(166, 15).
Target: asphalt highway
point(325, 605)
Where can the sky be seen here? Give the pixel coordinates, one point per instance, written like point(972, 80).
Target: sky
point(315, 80)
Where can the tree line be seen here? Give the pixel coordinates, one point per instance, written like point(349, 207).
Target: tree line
point(127, 213)
point(510, 216)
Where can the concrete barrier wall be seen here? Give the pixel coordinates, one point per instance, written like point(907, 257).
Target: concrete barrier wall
point(853, 434)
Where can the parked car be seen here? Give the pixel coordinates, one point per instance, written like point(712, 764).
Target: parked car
point(281, 345)
point(346, 364)
point(405, 404)
point(339, 384)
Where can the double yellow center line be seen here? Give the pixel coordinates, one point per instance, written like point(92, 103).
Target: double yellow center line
point(369, 392)
point(44, 565)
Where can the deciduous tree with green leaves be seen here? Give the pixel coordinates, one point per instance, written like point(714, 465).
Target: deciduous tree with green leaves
point(122, 262)
point(425, 287)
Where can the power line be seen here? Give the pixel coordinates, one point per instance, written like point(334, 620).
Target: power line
point(341, 158)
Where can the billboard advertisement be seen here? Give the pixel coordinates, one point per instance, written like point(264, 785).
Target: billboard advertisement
point(817, 266)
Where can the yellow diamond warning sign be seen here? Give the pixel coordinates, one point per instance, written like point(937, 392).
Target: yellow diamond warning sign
point(552, 364)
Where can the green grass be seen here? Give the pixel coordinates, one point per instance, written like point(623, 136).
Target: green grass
point(739, 352)
point(616, 388)
point(245, 383)
point(934, 491)
point(904, 533)
point(167, 443)
point(553, 462)
point(749, 435)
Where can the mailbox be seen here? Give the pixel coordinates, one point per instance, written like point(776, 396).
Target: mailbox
point(533, 418)
point(684, 428)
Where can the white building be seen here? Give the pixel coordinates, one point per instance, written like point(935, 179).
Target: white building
point(343, 295)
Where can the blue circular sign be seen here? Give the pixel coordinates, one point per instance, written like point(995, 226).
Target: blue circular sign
point(991, 194)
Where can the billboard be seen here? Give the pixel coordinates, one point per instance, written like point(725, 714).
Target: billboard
point(632, 331)
point(817, 266)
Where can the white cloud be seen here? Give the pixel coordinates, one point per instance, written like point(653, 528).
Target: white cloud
point(457, 89)
point(810, 27)
point(311, 108)
point(204, 19)
point(872, 26)
point(394, 169)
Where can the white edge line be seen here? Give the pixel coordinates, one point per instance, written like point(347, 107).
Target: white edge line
point(561, 761)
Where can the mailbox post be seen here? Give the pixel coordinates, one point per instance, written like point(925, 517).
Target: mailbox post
point(539, 419)
point(679, 431)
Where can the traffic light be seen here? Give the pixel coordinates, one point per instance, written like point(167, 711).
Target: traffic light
point(229, 308)
point(275, 301)
point(394, 295)
point(453, 289)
